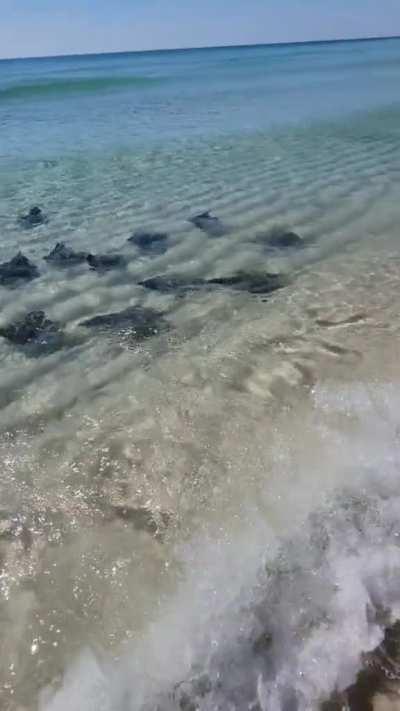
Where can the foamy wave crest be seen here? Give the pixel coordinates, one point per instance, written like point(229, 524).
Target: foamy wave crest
point(274, 622)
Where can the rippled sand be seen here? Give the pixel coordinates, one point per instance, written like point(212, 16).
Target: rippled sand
point(143, 490)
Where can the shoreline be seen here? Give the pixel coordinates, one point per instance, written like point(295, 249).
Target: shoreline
point(209, 468)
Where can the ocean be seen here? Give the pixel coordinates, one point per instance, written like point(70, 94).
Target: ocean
point(199, 491)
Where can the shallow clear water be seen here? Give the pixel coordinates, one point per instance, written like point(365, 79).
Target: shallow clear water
point(260, 434)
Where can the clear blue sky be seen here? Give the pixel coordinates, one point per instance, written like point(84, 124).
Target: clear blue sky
point(42, 27)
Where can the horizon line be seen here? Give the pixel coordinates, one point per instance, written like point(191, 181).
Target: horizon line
point(374, 38)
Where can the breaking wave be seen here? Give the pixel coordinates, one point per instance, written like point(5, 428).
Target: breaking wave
point(266, 620)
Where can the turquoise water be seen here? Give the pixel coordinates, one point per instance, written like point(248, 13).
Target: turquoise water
point(167, 505)
point(55, 107)
point(113, 142)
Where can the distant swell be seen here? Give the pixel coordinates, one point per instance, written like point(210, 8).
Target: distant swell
point(56, 88)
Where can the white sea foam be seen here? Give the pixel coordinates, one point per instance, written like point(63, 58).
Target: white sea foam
point(315, 589)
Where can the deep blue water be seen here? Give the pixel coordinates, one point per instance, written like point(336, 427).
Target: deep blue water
point(54, 106)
